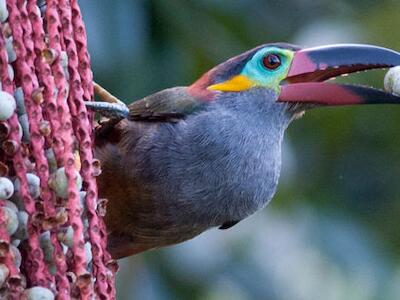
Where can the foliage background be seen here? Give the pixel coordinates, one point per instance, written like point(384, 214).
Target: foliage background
point(333, 229)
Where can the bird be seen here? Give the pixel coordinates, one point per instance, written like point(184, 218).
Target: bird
point(186, 159)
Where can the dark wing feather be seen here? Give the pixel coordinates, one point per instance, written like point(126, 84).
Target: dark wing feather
point(169, 105)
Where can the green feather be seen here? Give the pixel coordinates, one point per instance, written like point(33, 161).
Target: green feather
point(167, 105)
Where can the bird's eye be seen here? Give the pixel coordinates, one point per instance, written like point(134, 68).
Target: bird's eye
point(271, 61)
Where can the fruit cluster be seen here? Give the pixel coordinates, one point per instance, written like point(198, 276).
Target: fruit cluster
point(52, 235)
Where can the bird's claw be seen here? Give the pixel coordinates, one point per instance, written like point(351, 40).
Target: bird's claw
point(110, 107)
point(109, 110)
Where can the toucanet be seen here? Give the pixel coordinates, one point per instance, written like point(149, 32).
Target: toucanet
point(190, 158)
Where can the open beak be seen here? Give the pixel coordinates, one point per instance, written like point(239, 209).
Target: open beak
point(310, 67)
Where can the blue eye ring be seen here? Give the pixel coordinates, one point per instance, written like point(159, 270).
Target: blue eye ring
point(271, 61)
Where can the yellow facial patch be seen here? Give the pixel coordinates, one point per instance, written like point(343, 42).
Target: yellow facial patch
point(237, 83)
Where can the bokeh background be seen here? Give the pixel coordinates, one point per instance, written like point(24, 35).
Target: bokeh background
point(333, 229)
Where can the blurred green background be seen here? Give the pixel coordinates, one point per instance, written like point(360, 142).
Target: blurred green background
point(333, 229)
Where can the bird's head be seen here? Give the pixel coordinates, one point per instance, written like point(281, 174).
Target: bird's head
point(298, 76)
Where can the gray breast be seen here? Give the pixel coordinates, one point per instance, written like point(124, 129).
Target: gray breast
point(222, 164)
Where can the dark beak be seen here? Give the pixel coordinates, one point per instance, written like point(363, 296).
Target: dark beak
point(310, 67)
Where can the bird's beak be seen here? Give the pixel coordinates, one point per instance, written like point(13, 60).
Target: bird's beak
point(310, 67)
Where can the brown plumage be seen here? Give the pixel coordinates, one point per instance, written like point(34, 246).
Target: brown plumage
point(135, 221)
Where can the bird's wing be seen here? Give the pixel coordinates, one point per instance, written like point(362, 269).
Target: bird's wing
point(169, 105)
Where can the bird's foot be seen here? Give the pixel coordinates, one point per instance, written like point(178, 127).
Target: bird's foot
point(109, 110)
point(110, 107)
